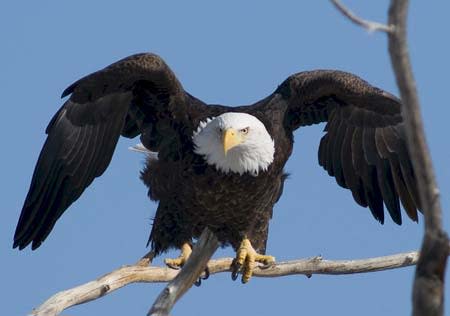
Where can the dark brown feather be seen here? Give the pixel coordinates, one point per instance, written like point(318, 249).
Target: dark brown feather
point(83, 134)
point(364, 146)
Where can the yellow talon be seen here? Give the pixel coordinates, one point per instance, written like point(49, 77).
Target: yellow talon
point(177, 263)
point(246, 256)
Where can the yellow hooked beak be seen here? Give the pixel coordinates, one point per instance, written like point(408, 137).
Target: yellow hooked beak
point(231, 138)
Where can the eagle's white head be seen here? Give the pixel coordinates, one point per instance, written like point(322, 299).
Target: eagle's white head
point(236, 142)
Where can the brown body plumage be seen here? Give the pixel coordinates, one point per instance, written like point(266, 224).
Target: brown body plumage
point(363, 148)
point(193, 194)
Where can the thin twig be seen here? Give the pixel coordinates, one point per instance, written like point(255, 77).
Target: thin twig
point(137, 273)
point(428, 291)
point(196, 264)
point(369, 25)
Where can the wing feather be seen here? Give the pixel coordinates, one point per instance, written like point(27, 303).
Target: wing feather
point(351, 177)
point(337, 149)
point(72, 156)
point(136, 94)
point(364, 146)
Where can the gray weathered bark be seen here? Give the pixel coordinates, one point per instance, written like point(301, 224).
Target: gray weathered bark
point(140, 272)
point(428, 291)
point(195, 265)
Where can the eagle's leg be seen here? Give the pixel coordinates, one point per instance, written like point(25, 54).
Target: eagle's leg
point(246, 256)
point(178, 263)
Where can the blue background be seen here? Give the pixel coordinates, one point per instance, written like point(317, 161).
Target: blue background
point(233, 52)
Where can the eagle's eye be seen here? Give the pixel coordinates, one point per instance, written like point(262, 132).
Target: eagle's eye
point(244, 130)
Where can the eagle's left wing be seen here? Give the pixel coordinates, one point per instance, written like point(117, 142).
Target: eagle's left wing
point(364, 147)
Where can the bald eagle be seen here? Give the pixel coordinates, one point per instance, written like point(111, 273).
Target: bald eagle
point(217, 166)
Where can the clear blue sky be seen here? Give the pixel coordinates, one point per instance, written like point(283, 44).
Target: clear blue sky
point(232, 52)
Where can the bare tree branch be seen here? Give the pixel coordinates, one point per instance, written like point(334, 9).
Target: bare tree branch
point(196, 264)
point(428, 292)
point(138, 273)
point(369, 25)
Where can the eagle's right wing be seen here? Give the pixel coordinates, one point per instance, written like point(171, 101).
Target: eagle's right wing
point(84, 132)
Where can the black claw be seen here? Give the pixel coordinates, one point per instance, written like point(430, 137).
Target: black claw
point(267, 265)
point(206, 276)
point(175, 267)
point(235, 267)
point(202, 277)
point(234, 275)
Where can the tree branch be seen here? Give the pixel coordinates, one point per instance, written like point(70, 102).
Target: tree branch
point(138, 273)
point(369, 25)
point(196, 264)
point(428, 291)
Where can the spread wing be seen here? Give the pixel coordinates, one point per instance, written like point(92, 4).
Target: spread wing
point(364, 146)
point(129, 97)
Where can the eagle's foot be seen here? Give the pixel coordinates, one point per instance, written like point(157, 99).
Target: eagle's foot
point(179, 262)
point(246, 257)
